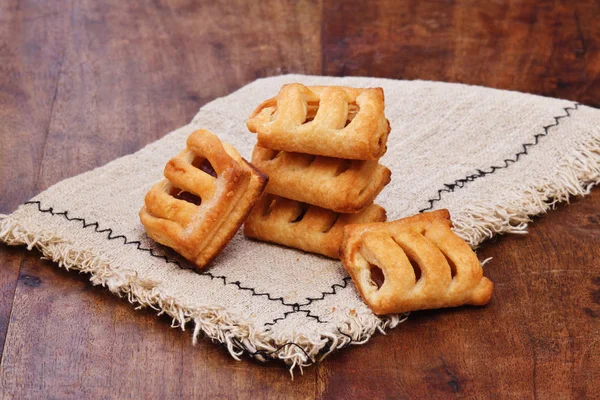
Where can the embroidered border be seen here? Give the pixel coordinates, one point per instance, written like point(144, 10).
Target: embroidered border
point(296, 307)
point(460, 183)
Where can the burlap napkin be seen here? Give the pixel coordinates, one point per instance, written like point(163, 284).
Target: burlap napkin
point(491, 157)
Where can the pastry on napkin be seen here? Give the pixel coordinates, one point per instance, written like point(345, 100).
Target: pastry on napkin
point(492, 158)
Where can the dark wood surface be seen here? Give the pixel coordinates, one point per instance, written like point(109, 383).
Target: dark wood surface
point(84, 82)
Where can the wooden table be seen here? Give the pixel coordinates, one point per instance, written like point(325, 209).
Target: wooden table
point(84, 82)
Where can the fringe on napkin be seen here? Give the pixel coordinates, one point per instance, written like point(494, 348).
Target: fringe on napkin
point(575, 175)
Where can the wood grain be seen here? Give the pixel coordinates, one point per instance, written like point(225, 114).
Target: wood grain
point(543, 47)
point(10, 262)
point(127, 74)
point(74, 340)
point(537, 337)
point(28, 79)
point(133, 71)
point(85, 82)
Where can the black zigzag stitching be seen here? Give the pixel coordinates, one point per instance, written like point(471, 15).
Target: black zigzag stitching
point(294, 311)
point(138, 244)
point(460, 183)
point(297, 306)
point(111, 236)
point(334, 288)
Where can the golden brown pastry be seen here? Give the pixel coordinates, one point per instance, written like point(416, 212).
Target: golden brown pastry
point(208, 192)
point(345, 186)
point(331, 121)
point(304, 226)
point(424, 265)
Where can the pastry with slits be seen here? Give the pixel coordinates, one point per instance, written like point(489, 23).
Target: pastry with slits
point(208, 192)
point(304, 226)
point(333, 121)
point(422, 263)
point(345, 186)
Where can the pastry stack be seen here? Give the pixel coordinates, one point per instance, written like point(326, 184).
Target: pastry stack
point(320, 147)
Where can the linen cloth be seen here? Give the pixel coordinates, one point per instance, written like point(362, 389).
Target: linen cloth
point(492, 157)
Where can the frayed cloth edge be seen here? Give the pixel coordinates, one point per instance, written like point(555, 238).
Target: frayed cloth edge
point(575, 175)
point(296, 350)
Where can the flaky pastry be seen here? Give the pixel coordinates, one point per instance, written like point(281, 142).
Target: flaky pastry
point(304, 226)
point(344, 186)
point(424, 265)
point(208, 192)
point(333, 121)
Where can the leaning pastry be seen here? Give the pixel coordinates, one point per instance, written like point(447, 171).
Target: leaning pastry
point(304, 226)
point(331, 121)
point(422, 263)
point(345, 186)
point(208, 192)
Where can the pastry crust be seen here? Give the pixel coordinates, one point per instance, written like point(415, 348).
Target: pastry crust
point(304, 226)
point(425, 265)
point(345, 186)
point(333, 121)
point(208, 192)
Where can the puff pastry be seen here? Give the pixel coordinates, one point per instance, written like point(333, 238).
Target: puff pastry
point(208, 192)
point(344, 186)
point(424, 265)
point(304, 226)
point(331, 121)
